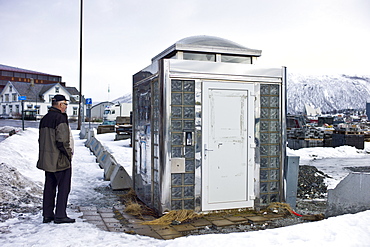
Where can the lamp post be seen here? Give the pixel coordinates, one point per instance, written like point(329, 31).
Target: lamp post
point(80, 96)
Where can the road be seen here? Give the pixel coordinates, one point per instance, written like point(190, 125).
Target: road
point(16, 123)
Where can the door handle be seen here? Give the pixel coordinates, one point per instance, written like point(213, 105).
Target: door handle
point(206, 150)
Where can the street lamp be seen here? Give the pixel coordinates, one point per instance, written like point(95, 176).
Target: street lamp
point(80, 98)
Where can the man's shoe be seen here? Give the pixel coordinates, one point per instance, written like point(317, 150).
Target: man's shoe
point(64, 220)
point(47, 219)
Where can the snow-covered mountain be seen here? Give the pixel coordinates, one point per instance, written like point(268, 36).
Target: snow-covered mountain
point(127, 98)
point(327, 92)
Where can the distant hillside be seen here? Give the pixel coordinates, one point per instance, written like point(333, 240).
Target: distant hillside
point(127, 98)
point(327, 92)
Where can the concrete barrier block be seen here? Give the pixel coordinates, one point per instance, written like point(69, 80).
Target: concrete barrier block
point(99, 154)
point(109, 166)
point(350, 196)
point(97, 147)
point(90, 143)
point(103, 159)
point(84, 132)
point(120, 179)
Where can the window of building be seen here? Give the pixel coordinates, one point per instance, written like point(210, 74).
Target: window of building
point(16, 108)
point(10, 109)
point(235, 59)
point(7, 73)
point(37, 107)
point(199, 56)
point(6, 97)
point(56, 89)
point(42, 77)
point(20, 75)
point(54, 78)
point(75, 110)
point(14, 97)
point(4, 109)
point(50, 97)
point(10, 88)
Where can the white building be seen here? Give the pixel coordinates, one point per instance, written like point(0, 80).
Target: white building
point(37, 97)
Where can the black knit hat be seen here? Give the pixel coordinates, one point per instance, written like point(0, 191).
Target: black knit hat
point(59, 97)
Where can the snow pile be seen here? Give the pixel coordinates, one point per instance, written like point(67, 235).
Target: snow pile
point(18, 193)
point(328, 152)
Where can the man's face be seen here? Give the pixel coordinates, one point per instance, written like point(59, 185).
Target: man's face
point(62, 106)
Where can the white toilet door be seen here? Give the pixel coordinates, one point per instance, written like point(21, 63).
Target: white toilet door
point(228, 140)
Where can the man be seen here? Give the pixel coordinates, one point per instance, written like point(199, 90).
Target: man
point(55, 156)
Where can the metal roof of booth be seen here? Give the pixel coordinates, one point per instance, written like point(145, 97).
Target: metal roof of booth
point(207, 44)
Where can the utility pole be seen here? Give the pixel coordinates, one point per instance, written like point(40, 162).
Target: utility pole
point(80, 96)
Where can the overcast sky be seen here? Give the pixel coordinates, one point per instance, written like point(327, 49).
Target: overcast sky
point(120, 37)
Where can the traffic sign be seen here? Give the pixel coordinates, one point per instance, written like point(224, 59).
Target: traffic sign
point(88, 101)
point(22, 97)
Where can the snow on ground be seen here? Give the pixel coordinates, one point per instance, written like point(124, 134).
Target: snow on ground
point(333, 161)
point(120, 150)
point(20, 151)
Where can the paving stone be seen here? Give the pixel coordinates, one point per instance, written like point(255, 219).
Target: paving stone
point(135, 221)
point(257, 218)
point(212, 218)
point(138, 226)
point(127, 216)
point(90, 213)
point(105, 210)
point(167, 231)
point(119, 229)
point(184, 227)
point(91, 217)
point(90, 208)
point(107, 215)
point(113, 224)
point(148, 232)
point(224, 222)
point(201, 222)
point(110, 220)
point(158, 227)
point(235, 218)
point(169, 237)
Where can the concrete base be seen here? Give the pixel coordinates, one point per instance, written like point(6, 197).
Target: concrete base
point(119, 179)
point(350, 196)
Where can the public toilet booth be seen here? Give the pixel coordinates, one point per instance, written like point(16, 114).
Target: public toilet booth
point(208, 128)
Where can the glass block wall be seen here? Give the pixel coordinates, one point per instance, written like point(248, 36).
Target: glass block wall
point(182, 120)
point(142, 142)
point(270, 143)
point(155, 142)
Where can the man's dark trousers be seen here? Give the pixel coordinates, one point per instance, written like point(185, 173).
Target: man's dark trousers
point(54, 180)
